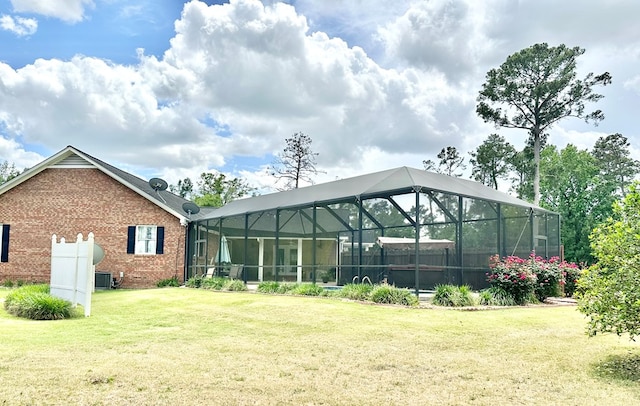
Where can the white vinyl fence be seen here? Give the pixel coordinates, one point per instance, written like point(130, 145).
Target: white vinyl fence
point(73, 270)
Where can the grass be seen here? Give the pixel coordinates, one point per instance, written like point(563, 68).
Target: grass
point(192, 346)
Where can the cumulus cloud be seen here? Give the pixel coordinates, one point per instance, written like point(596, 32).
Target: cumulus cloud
point(90, 101)
point(18, 25)
point(259, 70)
point(11, 151)
point(70, 11)
point(239, 78)
point(434, 34)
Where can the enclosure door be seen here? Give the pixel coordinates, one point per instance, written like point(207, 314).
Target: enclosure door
point(289, 260)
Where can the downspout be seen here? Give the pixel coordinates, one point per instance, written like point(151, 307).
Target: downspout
point(185, 270)
point(187, 230)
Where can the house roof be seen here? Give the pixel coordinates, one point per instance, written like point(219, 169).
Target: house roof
point(71, 157)
point(389, 182)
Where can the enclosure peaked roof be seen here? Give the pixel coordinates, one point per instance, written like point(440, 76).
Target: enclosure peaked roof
point(379, 184)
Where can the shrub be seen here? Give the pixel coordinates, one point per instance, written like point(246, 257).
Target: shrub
point(514, 276)
point(235, 285)
point(194, 282)
point(496, 296)
point(454, 296)
point(34, 302)
point(22, 292)
point(216, 283)
point(392, 295)
point(549, 275)
point(355, 291)
point(169, 282)
point(286, 287)
point(571, 274)
point(444, 295)
point(609, 291)
point(533, 279)
point(268, 287)
point(466, 296)
point(307, 289)
point(7, 283)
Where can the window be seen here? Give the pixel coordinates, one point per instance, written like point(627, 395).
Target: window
point(4, 243)
point(145, 240)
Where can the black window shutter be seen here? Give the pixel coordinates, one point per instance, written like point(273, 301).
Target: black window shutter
point(160, 240)
point(131, 239)
point(4, 257)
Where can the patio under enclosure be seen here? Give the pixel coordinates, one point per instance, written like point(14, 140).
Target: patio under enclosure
point(405, 226)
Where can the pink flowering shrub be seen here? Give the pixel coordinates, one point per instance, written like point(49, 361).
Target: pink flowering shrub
point(571, 272)
point(513, 276)
point(549, 274)
point(526, 279)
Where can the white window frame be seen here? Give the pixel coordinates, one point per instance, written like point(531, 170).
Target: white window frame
point(146, 239)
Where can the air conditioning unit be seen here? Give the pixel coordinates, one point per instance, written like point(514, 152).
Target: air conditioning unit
point(103, 280)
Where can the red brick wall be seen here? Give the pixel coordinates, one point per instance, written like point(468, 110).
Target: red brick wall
point(69, 201)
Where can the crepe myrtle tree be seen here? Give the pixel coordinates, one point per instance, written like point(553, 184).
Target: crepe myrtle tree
point(609, 291)
point(534, 89)
point(213, 189)
point(296, 163)
point(216, 189)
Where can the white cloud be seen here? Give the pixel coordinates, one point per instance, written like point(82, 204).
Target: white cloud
point(435, 34)
point(70, 11)
point(239, 78)
point(633, 84)
point(13, 152)
point(19, 25)
point(258, 70)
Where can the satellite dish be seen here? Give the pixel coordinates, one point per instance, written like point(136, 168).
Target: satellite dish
point(190, 208)
point(98, 254)
point(158, 184)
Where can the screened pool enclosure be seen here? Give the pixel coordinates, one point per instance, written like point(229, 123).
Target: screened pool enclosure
point(405, 226)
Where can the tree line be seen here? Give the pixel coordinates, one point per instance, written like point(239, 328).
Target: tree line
point(291, 168)
point(581, 185)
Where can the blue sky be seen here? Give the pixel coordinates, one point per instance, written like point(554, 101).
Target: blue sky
point(172, 89)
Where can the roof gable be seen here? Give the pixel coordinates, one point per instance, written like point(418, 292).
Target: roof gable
point(71, 157)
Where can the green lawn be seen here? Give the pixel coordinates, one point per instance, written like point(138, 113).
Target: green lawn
point(183, 346)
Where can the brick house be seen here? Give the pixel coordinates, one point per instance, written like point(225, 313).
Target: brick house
point(141, 230)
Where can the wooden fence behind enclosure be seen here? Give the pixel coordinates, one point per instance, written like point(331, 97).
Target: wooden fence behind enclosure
point(435, 267)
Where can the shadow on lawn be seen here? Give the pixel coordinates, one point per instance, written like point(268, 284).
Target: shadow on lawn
point(624, 367)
